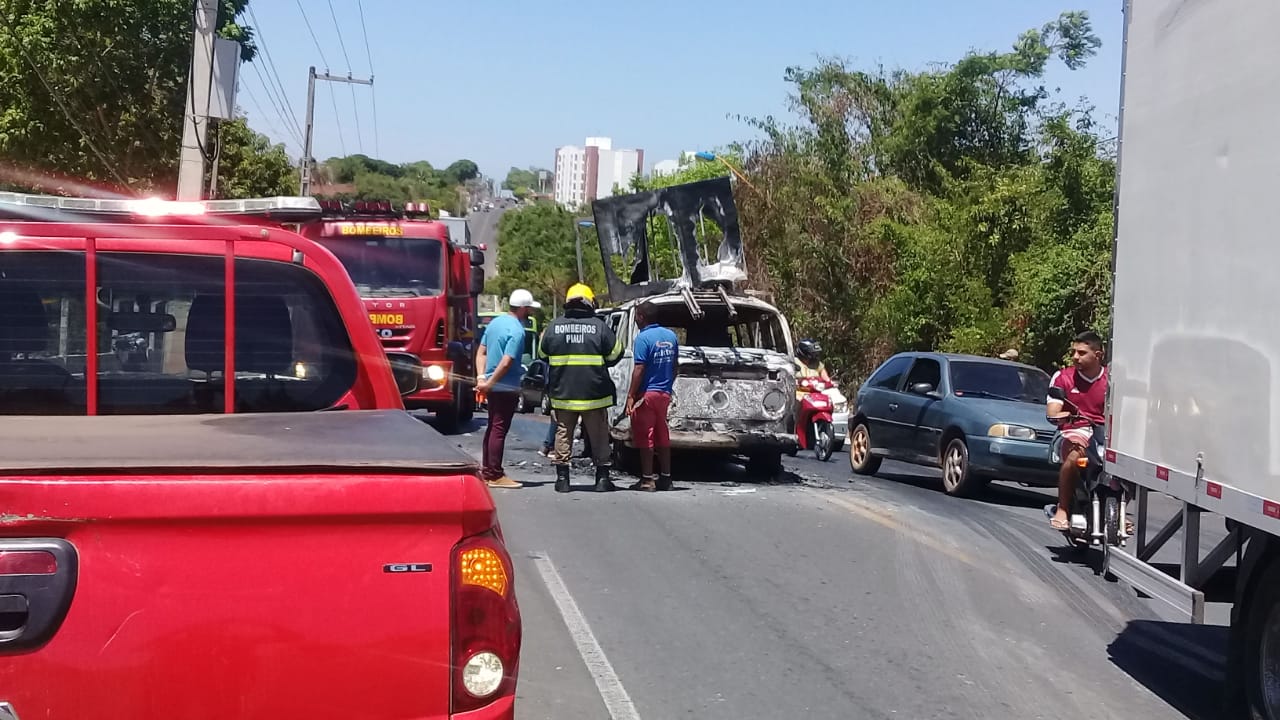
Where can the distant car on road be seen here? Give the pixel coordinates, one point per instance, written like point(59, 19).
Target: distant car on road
point(979, 419)
point(533, 389)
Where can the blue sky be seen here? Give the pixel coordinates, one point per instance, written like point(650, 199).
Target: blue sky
point(504, 82)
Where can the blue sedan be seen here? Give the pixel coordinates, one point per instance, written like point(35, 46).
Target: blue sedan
point(979, 419)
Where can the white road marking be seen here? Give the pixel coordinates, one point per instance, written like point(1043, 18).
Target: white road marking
point(614, 695)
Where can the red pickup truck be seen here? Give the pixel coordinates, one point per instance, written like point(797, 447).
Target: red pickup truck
point(259, 530)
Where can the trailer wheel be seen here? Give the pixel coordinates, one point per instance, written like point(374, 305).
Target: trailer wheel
point(1262, 647)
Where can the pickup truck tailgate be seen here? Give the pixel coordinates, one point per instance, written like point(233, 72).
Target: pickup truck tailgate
point(231, 566)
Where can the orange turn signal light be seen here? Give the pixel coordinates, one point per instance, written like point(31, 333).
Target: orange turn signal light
point(483, 567)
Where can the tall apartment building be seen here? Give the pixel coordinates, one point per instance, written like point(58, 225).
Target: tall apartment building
point(584, 173)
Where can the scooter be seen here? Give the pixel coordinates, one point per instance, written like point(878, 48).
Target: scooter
point(815, 419)
point(1099, 505)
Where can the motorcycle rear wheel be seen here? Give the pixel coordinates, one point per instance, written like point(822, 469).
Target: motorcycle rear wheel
point(1111, 520)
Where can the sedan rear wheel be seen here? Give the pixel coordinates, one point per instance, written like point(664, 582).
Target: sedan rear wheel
point(861, 461)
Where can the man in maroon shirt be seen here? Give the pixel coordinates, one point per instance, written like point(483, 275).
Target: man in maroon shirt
point(1085, 385)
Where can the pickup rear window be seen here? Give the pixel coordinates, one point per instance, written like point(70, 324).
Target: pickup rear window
point(160, 335)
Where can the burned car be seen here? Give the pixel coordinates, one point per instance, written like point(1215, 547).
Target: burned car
point(735, 389)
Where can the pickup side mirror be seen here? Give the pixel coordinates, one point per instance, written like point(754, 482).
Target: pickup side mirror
point(923, 388)
point(407, 369)
point(1057, 394)
point(476, 257)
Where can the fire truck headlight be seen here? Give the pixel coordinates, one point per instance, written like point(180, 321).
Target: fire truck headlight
point(434, 373)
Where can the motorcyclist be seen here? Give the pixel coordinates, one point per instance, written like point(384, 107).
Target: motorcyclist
point(809, 362)
point(1085, 385)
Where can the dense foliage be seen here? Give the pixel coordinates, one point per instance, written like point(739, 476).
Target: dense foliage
point(94, 90)
point(537, 250)
point(364, 178)
point(956, 208)
point(523, 182)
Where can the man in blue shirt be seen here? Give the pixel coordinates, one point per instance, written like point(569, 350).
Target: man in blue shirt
point(499, 354)
point(656, 351)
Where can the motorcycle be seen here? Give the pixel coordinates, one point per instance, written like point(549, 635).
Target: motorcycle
point(822, 420)
point(1099, 504)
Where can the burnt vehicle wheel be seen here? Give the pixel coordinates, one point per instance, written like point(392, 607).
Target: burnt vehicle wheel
point(861, 461)
point(958, 479)
point(546, 404)
point(522, 405)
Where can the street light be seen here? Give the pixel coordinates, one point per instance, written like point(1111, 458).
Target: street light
point(712, 157)
point(582, 222)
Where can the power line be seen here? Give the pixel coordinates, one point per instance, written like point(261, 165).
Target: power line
point(275, 103)
point(284, 138)
point(355, 106)
point(314, 39)
point(341, 43)
point(271, 67)
point(373, 89)
point(333, 97)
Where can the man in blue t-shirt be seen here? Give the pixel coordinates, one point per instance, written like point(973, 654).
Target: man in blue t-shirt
point(499, 354)
point(656, 352)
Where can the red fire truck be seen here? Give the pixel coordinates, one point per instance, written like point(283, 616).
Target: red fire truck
point(420, 289)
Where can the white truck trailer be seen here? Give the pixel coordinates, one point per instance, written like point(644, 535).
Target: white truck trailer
point(1195, 369)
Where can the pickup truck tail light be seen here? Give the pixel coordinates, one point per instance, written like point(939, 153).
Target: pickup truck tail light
point(485, 624)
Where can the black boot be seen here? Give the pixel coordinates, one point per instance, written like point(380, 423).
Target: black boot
point(603, 483)
point(562, 478)
point(664, 482)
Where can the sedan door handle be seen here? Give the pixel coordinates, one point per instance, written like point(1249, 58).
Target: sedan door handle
point(893, 406)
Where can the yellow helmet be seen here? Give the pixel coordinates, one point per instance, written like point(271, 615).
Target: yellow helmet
point(582, 291)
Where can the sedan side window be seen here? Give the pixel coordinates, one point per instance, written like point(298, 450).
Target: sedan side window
point(889, 376)
point(926, 370)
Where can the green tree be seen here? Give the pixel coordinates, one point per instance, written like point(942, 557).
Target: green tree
point(537, 250)
point(461, 171)
point(95, 89)
point(953, 208)
point(523, 182)
point(250, 166)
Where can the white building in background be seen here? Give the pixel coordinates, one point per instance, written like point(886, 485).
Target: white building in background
point(671, 167)
point(591, 171)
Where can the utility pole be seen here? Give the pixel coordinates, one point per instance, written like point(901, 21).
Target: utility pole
point(312, 77)
point(195, 126)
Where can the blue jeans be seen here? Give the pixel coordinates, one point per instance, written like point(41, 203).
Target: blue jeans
point(551, 436)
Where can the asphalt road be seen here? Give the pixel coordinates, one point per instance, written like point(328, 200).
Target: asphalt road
point(484, 230)
point(817, 595)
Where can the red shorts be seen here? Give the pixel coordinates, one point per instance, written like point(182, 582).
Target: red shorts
point(649, 421)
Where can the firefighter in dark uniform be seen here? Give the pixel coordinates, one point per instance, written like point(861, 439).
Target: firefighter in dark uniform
point(580, 348)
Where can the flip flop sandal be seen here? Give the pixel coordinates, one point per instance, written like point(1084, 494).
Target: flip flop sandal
point(1059, 525)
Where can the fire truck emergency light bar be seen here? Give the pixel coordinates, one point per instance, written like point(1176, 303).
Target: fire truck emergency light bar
point(22, 206)
point(382, 208)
